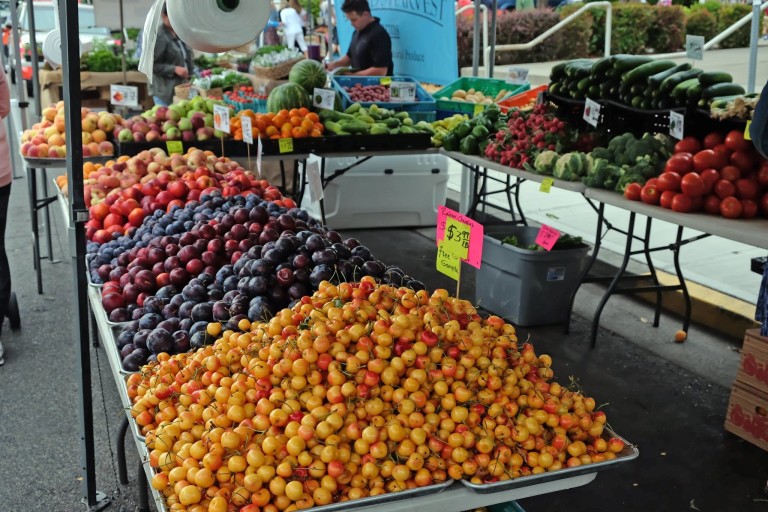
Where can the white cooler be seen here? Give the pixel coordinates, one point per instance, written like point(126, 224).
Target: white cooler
point(382, 192)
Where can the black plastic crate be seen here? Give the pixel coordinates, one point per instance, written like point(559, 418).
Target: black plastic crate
point(622, 118)
point(758, 265)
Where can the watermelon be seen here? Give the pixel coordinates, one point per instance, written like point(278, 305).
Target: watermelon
point(287, 96)
point(309, 74)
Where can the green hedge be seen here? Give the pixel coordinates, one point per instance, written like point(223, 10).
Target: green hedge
point(727, 16)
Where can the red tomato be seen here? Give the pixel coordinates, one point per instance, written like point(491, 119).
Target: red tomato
point(708, 159)
point(750, 209)
point(710, 177)
point(747, 189)
point(697, 203)
point(712, 204)
point(712, 140)
point(725, 188)
point(692, 185)
point(764, 204)
point(653, 182)
point(735, 140)
point(681, 163)
point(666, 198)
point(669, 181)
point(632, 192)
point(689, 144)
point(730, 173)
point(681, 203)
point(762, 175)
point(744, 160)
point(649, 194)
point(731, 208)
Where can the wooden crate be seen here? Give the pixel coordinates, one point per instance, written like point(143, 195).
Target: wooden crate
point(753, 370)
point(747, 415)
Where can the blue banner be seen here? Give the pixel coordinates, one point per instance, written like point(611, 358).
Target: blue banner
point(423, 36)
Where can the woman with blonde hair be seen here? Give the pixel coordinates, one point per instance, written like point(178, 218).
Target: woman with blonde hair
point(291, 22)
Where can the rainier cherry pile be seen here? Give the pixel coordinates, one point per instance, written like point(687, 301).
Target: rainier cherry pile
point(359, 390)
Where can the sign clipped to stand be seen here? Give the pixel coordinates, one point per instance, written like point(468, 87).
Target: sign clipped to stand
point(286, 145)
point(546, 185)
point(315, 183)
point(124, 95)
point(221, 118)
point(247, 125)
point(402, 91)
point(547, 237)
point(592, 112)
point(174, 147)
point(475, 246)
point(324, 98)
point(676, 125)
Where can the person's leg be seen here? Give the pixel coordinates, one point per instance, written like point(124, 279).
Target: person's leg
point(290, 39)
point(5, 270)
point(302, 43)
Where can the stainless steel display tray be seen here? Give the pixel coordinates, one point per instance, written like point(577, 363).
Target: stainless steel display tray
point(629, 453)
point(384, 499)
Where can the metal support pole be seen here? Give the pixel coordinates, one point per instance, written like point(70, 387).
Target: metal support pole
point(754, 38)
point(608, 30)
point(78, 217)
point(20, 92)
point(35, 59)
point(476, 39)
point(492, 60)
point(123, 42)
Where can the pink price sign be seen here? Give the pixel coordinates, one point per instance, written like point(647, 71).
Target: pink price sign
point(475, 244)
point(547, 237)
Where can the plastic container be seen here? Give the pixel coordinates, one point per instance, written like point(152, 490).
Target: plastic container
point(510, 506)
point(488, 86)
point(424, 102)
point(408, 191)
point(527, 287)
point(522, 99)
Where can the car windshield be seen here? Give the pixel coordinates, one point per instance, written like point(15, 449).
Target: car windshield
point(45, 20)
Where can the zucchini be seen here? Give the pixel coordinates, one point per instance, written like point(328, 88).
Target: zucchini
point(578, 69)
point(637, 89)
point(680, 91)
point(708, 78)
point(594, 91)
point(601, 66)
point(582, 85)
point(636, 101)
point(664, 103)
point(694, 92)
point(647, 104)
point(623, 64)
point(671, 82)
point(655, 80)
point(640, 73)
point(722, 89)
point(557, 72)
point(554, 88)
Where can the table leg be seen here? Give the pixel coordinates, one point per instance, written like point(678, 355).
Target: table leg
point(614, 282)
point(48, 230)
point(94, 328)
point(32, 186)
point(681, 279)
point(654, 277)
point(518, 182)
point(284, 190)
point(122, 467)
point(143, 490)
point(592, 259)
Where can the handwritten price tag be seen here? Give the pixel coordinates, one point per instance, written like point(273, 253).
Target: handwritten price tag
point(592, 112)
point(247, 125)
point(174, 147)
point(447, 262)
point(547, 237)
point(386, 80)
point(475, 247)
point(259, 151)
point(456, 238)
point(694, 47)
point(124, 95)
point(221, 118)
point(546, 185)
point(286, 145)
point(315, 183)
point(747, 135)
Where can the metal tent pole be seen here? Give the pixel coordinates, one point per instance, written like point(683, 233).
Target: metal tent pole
point(476, 39)
point(123, 42)
point(492, 61)
point(755, 37)
point(93, 500)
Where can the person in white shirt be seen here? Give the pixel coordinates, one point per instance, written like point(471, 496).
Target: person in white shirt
point(291, 21)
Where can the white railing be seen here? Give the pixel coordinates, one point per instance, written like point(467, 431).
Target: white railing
point(484, 10)
point(544, 35)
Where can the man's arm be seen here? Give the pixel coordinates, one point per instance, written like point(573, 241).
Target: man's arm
point(343, 62)
point(372, 71)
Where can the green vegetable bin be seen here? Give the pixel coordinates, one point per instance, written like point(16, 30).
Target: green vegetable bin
point(527, 287)
point(488, 86)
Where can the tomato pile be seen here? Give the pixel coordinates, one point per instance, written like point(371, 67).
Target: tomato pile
point(718, 175)
point(359, 390)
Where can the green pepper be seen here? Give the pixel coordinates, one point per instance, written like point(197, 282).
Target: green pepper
point(451, 141)
point(463, 129)
point(481, 147)
point(480, 132)
point(492, 112)
point(469, 146)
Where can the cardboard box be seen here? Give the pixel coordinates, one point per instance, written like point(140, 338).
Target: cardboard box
point(747, 415)
point(753, 370)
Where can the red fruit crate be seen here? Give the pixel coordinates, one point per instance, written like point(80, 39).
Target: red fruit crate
point(747, 415)
point(753, 370)
point(522, 99)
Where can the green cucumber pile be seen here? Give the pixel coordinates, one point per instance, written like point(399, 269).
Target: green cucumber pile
point(374, 120)
point(641, 82)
